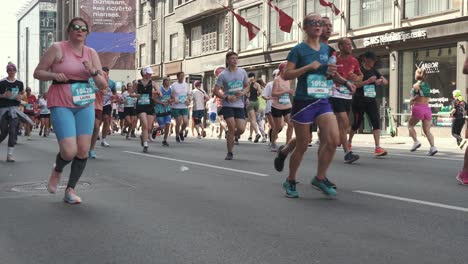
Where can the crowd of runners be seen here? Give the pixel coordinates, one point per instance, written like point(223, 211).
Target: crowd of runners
point(83, 106)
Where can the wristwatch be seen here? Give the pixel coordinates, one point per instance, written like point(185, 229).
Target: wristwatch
point(96, 73)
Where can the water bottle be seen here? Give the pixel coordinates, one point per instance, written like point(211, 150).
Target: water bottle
point(331, 60)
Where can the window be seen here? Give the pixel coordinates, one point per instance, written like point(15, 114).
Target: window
point(196, 41)
point(221, 34)
point(441, 66)
point(313, 6)
point(254, 15)
point(155, 52)
point(276, 34)
point(170, 6)
point(173, 46)
point(141, 12)
point(370, 12)
point(415, 8)
point(142, 52)
point(154, 9)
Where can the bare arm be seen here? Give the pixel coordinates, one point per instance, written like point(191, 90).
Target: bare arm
point(292, 73)
point(42, 72)
point(276, 90)
point(100, 81)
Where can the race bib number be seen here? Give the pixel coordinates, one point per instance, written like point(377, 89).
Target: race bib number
point(144, 99)
point(182, 99)
point(83, 93)
point(284, 99)
point(129, 102)
point(235, 87)
point(318, 86)
point(344, 90)
point(14, 93)
point(165, 98)
point(28, 107)
point(369, 91)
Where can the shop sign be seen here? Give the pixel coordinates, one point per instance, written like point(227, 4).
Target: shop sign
point(431, 67)
point(388, 38)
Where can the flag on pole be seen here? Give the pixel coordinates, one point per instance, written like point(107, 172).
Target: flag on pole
point(285, 21)
point(251, 28)
point(331, 5)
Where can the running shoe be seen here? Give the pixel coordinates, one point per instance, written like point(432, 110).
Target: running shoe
point(432, 151)
point(40, 132)
point(104, 143)
point(264, 140)
point(182, 136)
point(320, 184)
point(54, 181)
point(127, 137)
point(186, 133)
point(29, 137)
point(328, 183)
point(145, 149)
point(416, 145)
point(199, 137)
point(463, 144)
point(279, 160)
point(459, 141)
point(133, 134)
point(236, 140)
point(229, 156)
point(350, 157)
point(273, 147)
point(154, 133)
point(380, 152)
point(257, 138)
point(92, 154)
point(204, 133)
point(141, 140)
point(71, 197)
point(10, 158)
point(177, 139)
point(165, 144)
point(249, 139)
point(462, 178)
point(290, 189)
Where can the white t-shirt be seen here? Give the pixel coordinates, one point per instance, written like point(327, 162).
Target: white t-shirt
point(198, 100)
point(43, 107)
point(267, 92)
point(212, 105)
point(181, 92)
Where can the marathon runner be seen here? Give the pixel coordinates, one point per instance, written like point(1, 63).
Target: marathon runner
point(181, 101)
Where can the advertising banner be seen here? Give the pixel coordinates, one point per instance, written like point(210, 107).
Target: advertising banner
point(112, 31)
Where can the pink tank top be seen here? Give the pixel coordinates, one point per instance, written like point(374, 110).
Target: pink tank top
point(72, 66)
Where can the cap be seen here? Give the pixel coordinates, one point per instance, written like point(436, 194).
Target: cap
point(147, 70)
point(275, 72)
point(456, 93)
point(196, 83)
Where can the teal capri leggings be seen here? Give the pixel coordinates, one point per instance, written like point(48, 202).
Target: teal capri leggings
point(72, 122)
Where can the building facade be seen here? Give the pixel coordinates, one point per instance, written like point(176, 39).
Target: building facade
point(36, 32)
point(194, 35)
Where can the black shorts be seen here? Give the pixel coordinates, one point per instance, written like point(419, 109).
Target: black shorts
point(361, 106)
point(115, 114)
point(130, 111)
point(275, 112)
point(30, 114)
point(237, 113)
point(340, 105)
point(121, 115)
point(107, 110)
point(44, 116)
point(148, 109)
point(220, 111)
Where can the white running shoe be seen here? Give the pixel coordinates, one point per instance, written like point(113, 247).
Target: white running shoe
point(416, 145)
point(104, 143)
point(432, 151)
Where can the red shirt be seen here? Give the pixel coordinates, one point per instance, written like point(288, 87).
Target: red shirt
point(347, 66)
point(32, 100)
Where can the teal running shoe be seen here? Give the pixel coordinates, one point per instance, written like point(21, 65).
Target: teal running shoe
point(290, 188)
point(92, 154)
point(322, 186)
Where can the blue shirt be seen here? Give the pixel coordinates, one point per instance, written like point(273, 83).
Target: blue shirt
point(166, 95)
point(302, 55)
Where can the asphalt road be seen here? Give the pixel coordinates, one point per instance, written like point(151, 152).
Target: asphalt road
point(186, 204)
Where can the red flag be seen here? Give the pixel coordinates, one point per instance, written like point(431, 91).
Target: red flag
point(251, 28)
point(285, 21)
point(331, 5)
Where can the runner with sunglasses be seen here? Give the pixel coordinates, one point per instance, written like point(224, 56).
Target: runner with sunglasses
point(73, 67)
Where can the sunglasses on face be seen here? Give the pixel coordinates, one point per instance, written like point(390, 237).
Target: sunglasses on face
point(313, 22)
point(77, 27)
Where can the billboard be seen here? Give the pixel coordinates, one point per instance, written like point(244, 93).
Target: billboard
point(112, 31)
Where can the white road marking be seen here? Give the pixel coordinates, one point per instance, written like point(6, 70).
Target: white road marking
point(462, 209)
point(200, 164)
point(414, 156)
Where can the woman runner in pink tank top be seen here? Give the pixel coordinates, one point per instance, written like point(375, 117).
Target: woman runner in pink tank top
point(74, 70)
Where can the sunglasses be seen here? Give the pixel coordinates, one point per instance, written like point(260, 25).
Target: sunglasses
point(313, 22)
point(77, 27)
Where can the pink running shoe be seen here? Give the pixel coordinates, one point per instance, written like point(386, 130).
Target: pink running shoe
point(462, 177)
point(54, 181)
point(71, 197)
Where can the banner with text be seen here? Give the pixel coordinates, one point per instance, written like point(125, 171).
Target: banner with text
point(112, 31)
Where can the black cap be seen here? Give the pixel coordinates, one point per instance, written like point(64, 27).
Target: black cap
point(251, 74)
point(370, 55)
point(105, 68)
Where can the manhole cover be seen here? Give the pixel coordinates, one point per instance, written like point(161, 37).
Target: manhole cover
point(42, 186)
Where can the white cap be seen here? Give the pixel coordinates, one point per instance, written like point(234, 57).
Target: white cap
point(147, 70)
point(275, 72)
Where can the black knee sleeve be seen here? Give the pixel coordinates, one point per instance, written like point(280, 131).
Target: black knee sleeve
point(60, 163)
point(77, 168)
